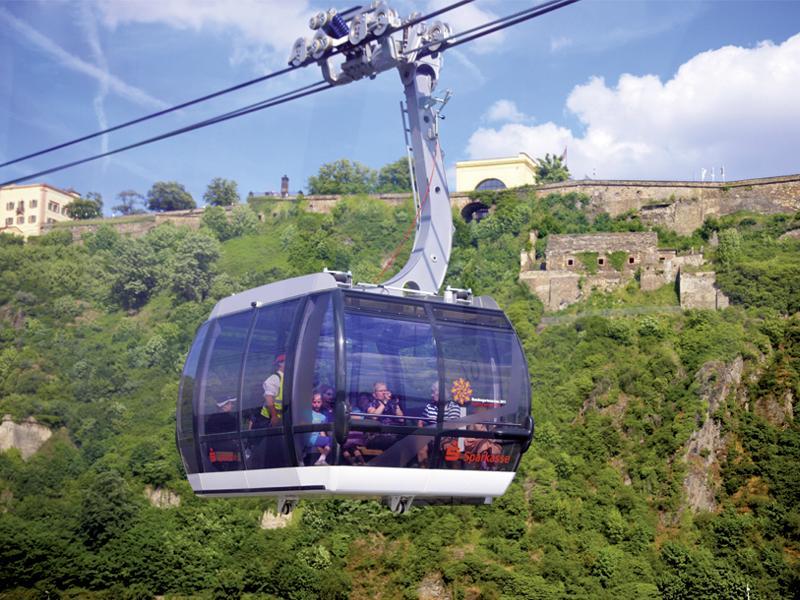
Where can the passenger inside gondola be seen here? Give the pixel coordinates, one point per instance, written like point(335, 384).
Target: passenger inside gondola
point(352, 449)
point(328, 399)
point(319, 444)
point(452, 412)
point(385, 405)
point(273, 392)
point(481, 451)
point(385, 408)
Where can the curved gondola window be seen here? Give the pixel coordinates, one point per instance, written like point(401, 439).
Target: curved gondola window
point(313, 390)
point(185, 416)
point(218, 398)
point(264, 376)
point(391, 368)
point(485, 372)
point(490, 184)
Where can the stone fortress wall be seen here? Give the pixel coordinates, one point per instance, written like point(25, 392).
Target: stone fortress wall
point(682, 206)
point(678, 205)
point(565, 277)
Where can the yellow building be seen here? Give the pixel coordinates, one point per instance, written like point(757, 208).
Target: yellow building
point(495, 173)
point(25, 208)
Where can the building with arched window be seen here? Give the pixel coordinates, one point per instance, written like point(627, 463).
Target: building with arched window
point(495, 173)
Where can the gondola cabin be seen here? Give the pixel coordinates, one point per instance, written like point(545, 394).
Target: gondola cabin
point(312, 387)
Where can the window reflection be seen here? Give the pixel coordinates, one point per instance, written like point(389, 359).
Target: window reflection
point(391, 364)
point(263, 401)
point(218, 402)
point(485, 373)
point(185, 416)
point(313, 391)
point(223, 365)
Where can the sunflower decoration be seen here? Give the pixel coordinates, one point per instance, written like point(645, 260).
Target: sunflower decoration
point(461, 390)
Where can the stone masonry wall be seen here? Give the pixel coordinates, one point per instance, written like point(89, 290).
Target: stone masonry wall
point(699, 290)
point(564, 279)
point(641, 242)
point(678, 205)
point(683, 205)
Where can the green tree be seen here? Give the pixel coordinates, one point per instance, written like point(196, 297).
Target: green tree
point(243, 221)
point(169, 195)
point(191, 270)
point(394, 177)
point(130, 202)
point(134, 273)
point(215, 219)
point(88, 207)
point(222, 192)
point(343, 177)
point(551, 169)
point(730, 246)
point(106, 508)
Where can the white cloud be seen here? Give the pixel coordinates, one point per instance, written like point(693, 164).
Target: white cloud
point(737, 107)
point(505, 111)
point(274, 23)
point(70, 61)
point(559, 43)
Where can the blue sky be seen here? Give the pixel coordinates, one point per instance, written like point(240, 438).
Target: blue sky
point(633, 89)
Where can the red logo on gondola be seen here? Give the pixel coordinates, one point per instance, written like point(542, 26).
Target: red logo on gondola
point(486, 457)
point(452, 453)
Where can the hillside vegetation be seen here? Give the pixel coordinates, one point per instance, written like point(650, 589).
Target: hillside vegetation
point(666, 462)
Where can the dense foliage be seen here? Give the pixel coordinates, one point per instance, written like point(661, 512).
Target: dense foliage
point(222, 192)
point(169, 195)
point(352, 177)
point(130, 203)
point(92, 338)
point(551, 169)
point(88, 207)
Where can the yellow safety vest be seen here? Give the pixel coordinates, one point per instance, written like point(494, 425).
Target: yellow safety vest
point(278, 399)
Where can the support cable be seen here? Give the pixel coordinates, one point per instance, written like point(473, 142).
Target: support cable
point(212, 95)
point(151, 116)
point(274, 101)
point(449, 42)
point(457, 39)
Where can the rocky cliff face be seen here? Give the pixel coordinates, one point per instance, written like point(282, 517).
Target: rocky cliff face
point(702, 452)
point(27, 437)
point(162, 498)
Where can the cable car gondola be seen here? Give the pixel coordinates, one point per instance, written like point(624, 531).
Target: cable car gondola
point(318, 386)
point(314, 332)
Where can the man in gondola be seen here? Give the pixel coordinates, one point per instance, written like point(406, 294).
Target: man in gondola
point(273, 393)
point(383, 403)
point(452, 412)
